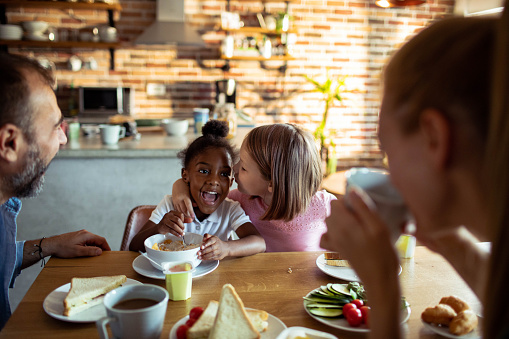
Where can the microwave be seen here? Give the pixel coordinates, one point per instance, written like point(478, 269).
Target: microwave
point(98, 103)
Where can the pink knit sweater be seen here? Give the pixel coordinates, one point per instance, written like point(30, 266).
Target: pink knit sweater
point(303, 233)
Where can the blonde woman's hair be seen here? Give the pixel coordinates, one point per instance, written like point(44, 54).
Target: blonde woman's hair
point(287, 156)
point(460, 66)
point(496, 312)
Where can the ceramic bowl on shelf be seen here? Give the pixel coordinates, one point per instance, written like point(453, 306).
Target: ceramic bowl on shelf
point(108, 34)
point(35, 27)
point(11, 32)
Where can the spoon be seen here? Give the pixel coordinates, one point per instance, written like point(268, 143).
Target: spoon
point(152, 260)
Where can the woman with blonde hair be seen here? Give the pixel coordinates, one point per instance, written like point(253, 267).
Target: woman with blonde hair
point(444, 127)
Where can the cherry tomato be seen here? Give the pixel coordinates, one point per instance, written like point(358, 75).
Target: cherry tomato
point(347, 307)
point(365, 314)
point(182, 332)
point(195, 312)
point(190, 322)
point(354, 317)
point(359, 303)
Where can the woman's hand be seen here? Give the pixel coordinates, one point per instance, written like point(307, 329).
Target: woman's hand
point(182, 199)
point(361, 237)
point(358, 233)
point(212, 248)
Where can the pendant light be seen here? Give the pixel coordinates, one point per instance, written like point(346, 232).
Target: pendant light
point(398, 3)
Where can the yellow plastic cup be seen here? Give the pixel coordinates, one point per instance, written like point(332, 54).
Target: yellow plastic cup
point(179, 281)
point(406, 246)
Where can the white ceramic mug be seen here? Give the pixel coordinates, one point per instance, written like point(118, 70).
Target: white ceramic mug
point(136, 323)
point(111, 133)
point(381, 195)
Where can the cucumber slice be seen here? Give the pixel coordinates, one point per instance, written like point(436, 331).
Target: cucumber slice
point(326, 312)
point(323, 305)
point(340, 288)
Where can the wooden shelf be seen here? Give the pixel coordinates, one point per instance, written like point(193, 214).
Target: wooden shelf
point(290, 1)
point(260, 58)
point(73, 5)
point(61, 44)
point(61, 5)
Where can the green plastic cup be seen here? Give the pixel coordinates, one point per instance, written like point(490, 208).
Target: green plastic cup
point(179, 281)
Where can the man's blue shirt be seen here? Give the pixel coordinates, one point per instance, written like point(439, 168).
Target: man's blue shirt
point(11, 252)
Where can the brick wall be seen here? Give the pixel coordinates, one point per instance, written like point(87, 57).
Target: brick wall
point(352, 38)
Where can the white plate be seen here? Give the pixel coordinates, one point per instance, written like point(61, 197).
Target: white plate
point(342, 324)
point(275, 327)
point(142, 266)
point(344, 273)
point(444, 331)
point(54, 305)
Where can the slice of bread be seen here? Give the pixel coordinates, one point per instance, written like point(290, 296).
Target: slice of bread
point(331, 255)
point(85, 292)
point(201, 328)
point(231, 320)
point(337, 262)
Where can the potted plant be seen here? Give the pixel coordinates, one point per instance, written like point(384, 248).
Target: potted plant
point(331, 89)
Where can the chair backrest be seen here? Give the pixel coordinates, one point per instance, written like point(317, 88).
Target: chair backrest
point(135, 221)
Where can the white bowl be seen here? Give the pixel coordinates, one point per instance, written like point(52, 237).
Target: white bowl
point(169, 258)
point(303, 332)
point(10, 32)
point(108, 34)
point(175, 126)
point(35, 26)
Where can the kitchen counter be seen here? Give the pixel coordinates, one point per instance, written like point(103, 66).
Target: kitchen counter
point(150, 145)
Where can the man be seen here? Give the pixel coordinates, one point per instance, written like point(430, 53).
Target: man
point(30, 137)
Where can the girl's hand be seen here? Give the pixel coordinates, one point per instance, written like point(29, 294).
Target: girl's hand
point(182, 199)
point(212, 248)
point(361, 237)
point(172, 222)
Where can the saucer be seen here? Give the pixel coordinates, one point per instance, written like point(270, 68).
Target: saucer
point(142, 266)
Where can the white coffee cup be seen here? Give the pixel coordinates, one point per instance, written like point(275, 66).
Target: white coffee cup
point(134, 323)
point(111, 133)
point(381, 195)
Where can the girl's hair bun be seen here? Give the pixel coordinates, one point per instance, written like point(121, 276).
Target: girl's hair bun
point(215, 129)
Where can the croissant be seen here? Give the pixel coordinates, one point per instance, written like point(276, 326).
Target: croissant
point(463, 323)
point(441, 314)
point(456, 303)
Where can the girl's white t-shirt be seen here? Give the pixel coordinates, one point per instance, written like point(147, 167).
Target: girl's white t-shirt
point(225, 219)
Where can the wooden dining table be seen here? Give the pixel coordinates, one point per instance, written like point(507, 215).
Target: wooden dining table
point(274, 282)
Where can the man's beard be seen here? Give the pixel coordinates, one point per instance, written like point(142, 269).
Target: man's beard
point(28, 183)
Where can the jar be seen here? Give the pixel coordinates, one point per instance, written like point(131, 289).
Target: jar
point(227, 112)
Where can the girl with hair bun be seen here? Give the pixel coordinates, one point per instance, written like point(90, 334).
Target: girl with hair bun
point(278, 176)
point(208, 172)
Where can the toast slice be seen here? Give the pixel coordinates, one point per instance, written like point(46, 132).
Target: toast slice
point(337, 262)
point(201, 328)
point(88, 292)
point(231, 320)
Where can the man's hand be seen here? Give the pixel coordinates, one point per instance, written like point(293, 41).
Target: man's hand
point(75, 244)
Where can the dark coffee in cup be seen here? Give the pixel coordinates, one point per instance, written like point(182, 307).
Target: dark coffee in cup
point(134, 304)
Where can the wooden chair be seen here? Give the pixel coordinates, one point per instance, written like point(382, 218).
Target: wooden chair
point(135, 221)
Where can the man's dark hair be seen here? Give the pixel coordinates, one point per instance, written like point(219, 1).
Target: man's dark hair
point(15, 107)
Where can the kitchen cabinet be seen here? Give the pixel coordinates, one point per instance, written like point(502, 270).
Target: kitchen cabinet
point(275, 39)
point(110, 8)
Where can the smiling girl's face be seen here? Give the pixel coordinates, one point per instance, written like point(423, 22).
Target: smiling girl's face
point(249, 178)
point(209, 176)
